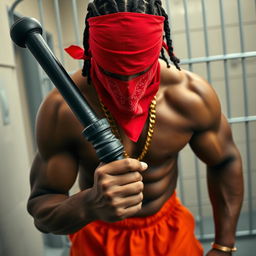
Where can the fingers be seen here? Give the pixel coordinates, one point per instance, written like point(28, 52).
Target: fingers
point(128, 201)
point(118, 189)
point(130, 189)
point(128, 178)
point(122, 166)
point(125, 207)
point(119, 173)
point(131, 211)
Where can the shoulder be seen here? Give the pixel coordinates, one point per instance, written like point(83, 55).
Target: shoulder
point(56, 126)
point(192, 97)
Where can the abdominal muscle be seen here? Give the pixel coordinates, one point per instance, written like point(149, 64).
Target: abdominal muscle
point(159, 184)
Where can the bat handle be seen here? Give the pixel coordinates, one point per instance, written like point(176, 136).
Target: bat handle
point(107, 146)
point(27, 32)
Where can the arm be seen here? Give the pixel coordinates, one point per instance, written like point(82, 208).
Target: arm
point(53, 173)
point(53, 210)
point(213, 144)
point(116, 193)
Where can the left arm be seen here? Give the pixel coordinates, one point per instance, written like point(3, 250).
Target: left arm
point(214, 145)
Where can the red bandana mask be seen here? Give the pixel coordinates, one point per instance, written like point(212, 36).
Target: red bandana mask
point(125, 44)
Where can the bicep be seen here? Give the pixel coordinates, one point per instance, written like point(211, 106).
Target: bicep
point(54, 175)
point(215, 145)
point(54, 169)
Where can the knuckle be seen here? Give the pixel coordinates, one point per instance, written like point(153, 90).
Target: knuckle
point(119, 213)
point(109, 196)
point(105, 185)
point(141, 196)
point(128, 163)
point(140, 186)
point(114, 203)
point(139, 206)
point(99, 173)
point(137, 176)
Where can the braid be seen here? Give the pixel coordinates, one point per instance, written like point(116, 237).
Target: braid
point(141, 7)
point(121, 5)
point(87, 63)
point(130, 4)
point(173, 58)
point(103, 7)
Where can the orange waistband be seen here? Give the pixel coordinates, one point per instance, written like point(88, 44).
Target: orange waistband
point(170, 207)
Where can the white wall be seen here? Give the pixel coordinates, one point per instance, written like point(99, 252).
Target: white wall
point(17, 233)
point(16, 139)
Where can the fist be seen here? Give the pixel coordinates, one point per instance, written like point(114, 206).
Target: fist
point(117, 190)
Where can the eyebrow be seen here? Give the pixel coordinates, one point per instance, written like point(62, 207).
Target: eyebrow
point(123, 77)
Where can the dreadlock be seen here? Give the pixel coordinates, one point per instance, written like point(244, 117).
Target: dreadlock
point(103, 7)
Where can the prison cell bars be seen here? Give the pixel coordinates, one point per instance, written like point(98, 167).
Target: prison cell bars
point(246, 119)
point(190, 61)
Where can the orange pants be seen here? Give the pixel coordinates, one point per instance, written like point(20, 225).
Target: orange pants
point(169, 232)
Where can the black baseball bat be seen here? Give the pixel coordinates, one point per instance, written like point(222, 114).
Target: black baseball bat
point(27, 32)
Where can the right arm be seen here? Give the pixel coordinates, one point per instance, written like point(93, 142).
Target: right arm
point(116, 193)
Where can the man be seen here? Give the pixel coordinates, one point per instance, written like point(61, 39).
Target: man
point(129, 207)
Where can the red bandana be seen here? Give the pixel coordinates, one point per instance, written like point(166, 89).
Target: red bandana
point(125, 43)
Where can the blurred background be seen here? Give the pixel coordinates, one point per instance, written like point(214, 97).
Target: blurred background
point(214, 38)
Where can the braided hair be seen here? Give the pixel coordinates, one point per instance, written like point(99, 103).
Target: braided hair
point(103, 7)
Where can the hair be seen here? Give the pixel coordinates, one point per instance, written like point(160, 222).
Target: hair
point(103, 7)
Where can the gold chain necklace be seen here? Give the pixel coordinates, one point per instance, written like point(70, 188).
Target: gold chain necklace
point(152, 121)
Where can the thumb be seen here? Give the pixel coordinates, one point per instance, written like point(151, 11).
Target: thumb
point(144, 166)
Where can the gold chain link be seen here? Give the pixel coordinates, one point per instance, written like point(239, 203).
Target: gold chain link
point(152, 121)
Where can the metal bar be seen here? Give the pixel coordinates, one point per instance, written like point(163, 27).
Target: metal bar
point(3, 65)
point(76, 26)
point(75, 22)
point(199, 198)
point(206, 42)
point(59, 30)
point(180, 167)
point(182, 197)
point(185, 4)
point(230, 56)
point(241, 119)
point(168, 7)
point(40, 70)
point(41, 16)
point(201, 226)
point(242, 233)
point(224, 45)
point(11, 10)
point(241, 30)
point(247, 131)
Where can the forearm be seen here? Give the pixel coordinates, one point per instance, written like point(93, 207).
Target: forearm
point(60, 214)
point(225, 184)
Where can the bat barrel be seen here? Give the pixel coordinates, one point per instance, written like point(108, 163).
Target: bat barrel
point(27, 32)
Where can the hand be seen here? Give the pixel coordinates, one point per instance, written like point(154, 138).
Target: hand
point(117, 190)
point(214, 252)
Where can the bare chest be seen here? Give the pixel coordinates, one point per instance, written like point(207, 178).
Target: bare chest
point(171, 134)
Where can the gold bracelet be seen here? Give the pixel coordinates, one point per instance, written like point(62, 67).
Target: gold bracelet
point(223, 248)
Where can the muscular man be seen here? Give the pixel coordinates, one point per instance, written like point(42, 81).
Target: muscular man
point(129, 207)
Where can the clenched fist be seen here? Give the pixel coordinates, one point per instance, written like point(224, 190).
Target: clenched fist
point(117, 190)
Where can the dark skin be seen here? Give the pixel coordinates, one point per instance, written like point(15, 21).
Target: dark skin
point(188, 111)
